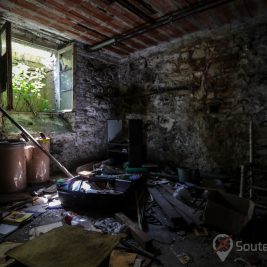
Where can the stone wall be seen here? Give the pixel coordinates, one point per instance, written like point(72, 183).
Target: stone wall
point(79, 136)
point(197, 94)
point(95, 80)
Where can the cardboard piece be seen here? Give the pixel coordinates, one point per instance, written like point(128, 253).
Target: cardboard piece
point(228, 212)
point(34, 232)
point(66, 246)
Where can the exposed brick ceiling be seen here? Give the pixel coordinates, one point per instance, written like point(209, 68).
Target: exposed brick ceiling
point(94, 21)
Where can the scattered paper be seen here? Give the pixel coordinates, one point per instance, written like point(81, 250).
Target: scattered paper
point(6, 229)
point(17, 217)
point(34, 232)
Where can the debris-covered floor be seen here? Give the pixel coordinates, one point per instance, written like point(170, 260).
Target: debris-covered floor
point(165, 223)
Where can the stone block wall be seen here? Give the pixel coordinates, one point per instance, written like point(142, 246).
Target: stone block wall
point(79, 136)
point(95, 81)
point(196, 96)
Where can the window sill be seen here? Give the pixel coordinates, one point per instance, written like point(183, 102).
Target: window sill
point(66, 111)
point(46, 122)
point(42, 112)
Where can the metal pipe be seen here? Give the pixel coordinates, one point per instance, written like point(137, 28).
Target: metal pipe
point(241, 191)
point(24, 131)
point(166, 19)
point(171, 17)
point(251, 141)
point(103, 44)
point(250, 158)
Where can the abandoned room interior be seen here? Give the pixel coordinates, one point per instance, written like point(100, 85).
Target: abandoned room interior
point(133, 133)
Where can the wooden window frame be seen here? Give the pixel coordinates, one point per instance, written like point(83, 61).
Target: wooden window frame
point(6, 65)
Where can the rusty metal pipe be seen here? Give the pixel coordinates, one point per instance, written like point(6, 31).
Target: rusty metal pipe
point(25, 132)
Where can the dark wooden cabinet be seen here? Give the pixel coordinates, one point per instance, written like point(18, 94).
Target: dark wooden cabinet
point(125, 141)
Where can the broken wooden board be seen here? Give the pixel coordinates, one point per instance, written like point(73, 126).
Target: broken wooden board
point(189, 215)
point(161, 217)
point(140, 236)
point(170, 212)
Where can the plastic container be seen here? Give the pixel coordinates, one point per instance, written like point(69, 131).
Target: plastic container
point(77, 220)
point(81, 221)
point(12, 166)
point(38, 164)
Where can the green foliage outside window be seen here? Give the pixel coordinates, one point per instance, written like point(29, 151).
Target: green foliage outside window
point(27, 89)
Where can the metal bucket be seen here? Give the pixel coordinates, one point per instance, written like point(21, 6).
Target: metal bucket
point(12, 166)
point(38, 164)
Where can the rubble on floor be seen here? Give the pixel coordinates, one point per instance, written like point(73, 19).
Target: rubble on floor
point(164, 222)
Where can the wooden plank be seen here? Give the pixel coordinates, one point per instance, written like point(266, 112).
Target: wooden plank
point(182, 206)
point(186, 212)
point(140, 236)
point(162, 218)
point(176, 204)
point(170, 212)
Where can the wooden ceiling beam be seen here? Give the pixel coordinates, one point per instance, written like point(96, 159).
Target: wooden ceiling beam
point(116, 50)
point(93, 11)
point(204, 20)
point(145, 39)
point(135, 44)
point(160, 7)
point(41, 15)
point(121, 16)
point(125, 48)
point(224, 14)
point(22, 13)
point(80, 16)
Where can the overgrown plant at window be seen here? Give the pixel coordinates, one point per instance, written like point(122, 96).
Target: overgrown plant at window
point(27, 86)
